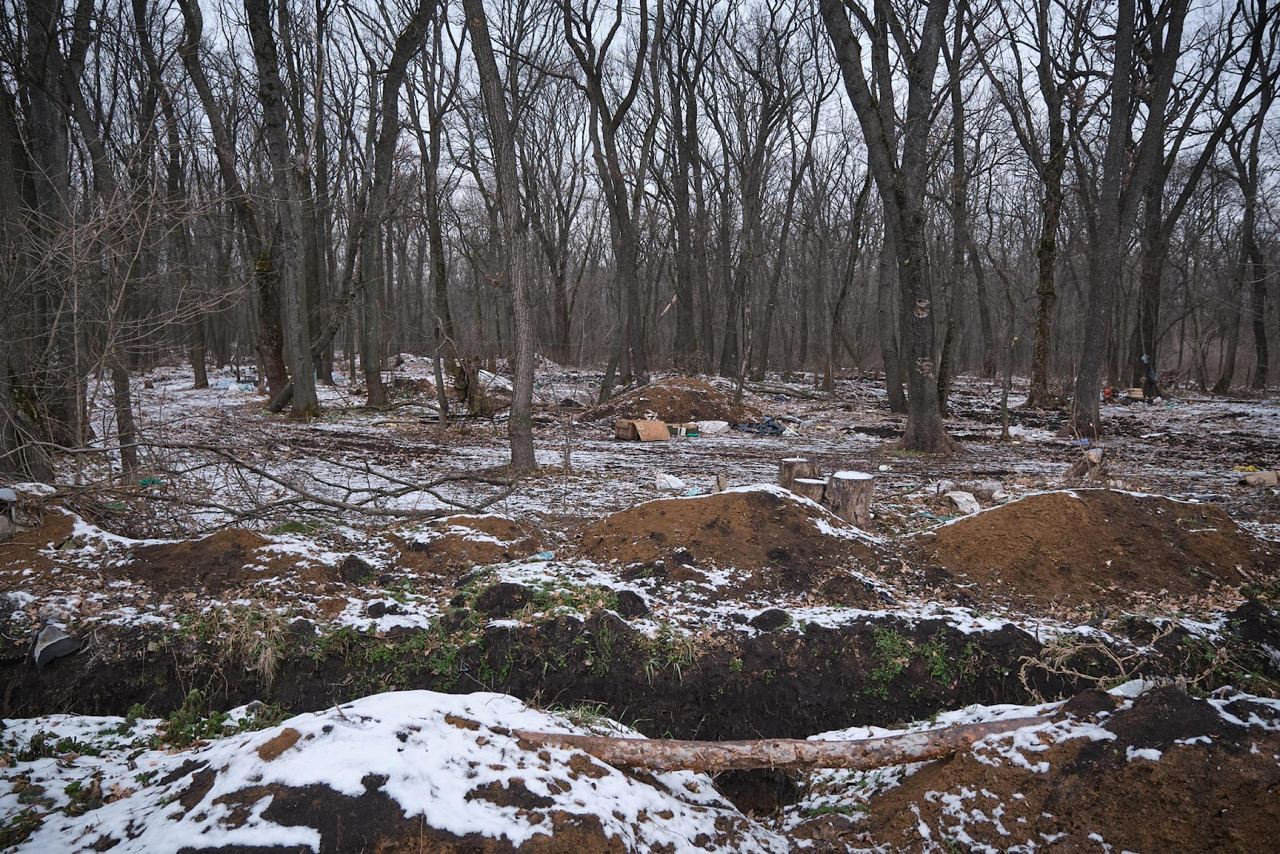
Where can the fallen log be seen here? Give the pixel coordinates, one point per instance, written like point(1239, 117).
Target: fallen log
point(793, 754)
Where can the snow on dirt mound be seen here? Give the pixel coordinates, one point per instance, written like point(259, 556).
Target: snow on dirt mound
point(1161, 772)
point(1096, 545)
point(772, 539)
point(408, 771)
point(458, 543)
point(676, 400)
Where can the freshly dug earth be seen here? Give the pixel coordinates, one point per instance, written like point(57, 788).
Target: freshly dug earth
point(674, 400)
point(455, 544)
point(1096, 545)
point(22, 551)
point(226, 560)
point(1170, 796)
point(772, 540)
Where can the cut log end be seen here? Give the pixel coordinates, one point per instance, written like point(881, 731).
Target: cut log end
point(792, 468)
point(812, 488)
point(848, 494)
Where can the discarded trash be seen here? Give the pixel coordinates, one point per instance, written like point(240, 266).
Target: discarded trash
point(964, 502)
point(543, 556)
point(1262, 478)
point(151, 481)
point(8, 513)
point(690, 430)
point(692, 491)
point(52, 643)
point(1082, 441)
point(641, 430)
point(670, 482)
point(712, 428)
point(884, 467)
point(767, 427)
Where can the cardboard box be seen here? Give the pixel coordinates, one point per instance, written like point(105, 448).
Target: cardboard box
point(640, 429)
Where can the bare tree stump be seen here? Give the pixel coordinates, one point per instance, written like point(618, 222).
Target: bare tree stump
point(1090, 467)
point(794, 467)
point(813, 488)
point(849, 496)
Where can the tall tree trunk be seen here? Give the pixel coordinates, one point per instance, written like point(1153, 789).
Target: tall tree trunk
point(901, 177)
point(959, 210)
point(1155, 249)
point(266, 278)
point(126, 433)
point(276, 134)
point(886, 296)
point(846, 281)
point(989, 362)
point(1258, 313)
point(1125, 176)
point(502, 133)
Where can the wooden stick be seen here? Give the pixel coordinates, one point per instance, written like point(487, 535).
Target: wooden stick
point(794, 754)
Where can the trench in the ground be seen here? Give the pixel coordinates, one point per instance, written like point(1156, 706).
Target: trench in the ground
point(791, 682)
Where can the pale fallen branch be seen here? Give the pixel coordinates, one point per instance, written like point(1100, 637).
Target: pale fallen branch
point(660, 754)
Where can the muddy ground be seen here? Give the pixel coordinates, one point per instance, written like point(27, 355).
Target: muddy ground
point(295, 564)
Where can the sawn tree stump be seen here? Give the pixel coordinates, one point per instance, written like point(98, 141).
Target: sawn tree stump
point(813, 488)
point(795, 467)
point(848, 495)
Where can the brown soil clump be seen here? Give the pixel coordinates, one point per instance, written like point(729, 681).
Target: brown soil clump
point(214, 563)
point(22, 552)
point(1218, 796)
point(455, 544)
point(772, 540)
point(1096, 545)
point(674, 400)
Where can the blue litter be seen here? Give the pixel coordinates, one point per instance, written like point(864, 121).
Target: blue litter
point(543, 556)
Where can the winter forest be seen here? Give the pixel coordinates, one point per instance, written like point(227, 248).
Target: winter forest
point(639, 425)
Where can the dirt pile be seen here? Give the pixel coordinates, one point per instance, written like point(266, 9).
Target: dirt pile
point(1096, 545)
point(23, 551)
point(221, 561)
point(1216, 793)
point(455, 544)
point(773, 540)
point(674, 400)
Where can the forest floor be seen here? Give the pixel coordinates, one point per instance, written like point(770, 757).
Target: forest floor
point(319, 635)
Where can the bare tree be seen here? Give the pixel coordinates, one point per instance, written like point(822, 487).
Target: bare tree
point(899, 166)
point(515, 255)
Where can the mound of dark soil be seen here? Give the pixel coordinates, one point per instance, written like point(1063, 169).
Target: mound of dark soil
point(457, 543)
point(1096, 545)
point(218, 562)
point(674, 400)
point(772, 539)
point(1173, 796)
